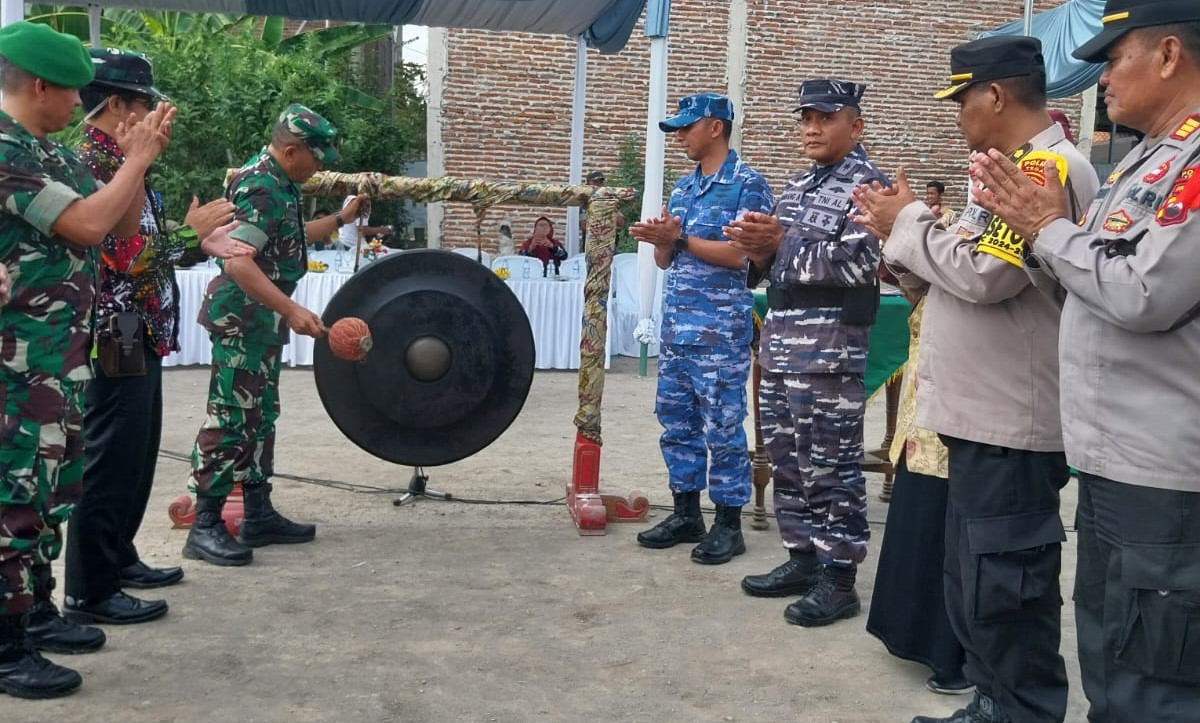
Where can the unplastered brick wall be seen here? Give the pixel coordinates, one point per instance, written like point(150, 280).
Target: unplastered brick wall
point(507, 104)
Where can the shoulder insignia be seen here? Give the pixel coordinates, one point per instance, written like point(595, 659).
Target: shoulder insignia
point(1187, 128)
point(1181, 199)
point(1112, 177)
point(1117, 221)
point(1034, 165)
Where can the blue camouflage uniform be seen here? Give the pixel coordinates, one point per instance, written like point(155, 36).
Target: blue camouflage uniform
point(812, 395)
point(704, 358)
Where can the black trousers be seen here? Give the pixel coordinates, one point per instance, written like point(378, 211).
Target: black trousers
point(122, 427)
point(1137, 602)
point(1003, 556)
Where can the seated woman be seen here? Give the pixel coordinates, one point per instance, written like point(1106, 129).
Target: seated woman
point(544, 246)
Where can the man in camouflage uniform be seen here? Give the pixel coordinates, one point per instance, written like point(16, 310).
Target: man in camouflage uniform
point(823, 298)
point(248, 311)
point(704, 361)
point(53, 214)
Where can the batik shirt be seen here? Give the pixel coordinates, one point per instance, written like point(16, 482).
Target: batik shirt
point(46, 327)
point(821, 247)
point(707, 305)
point(268, 207)
point(138, 272)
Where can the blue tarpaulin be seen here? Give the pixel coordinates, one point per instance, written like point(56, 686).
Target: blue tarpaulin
point(605, 24)
point(1061, 30)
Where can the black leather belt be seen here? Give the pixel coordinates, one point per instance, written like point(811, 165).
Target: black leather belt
point(807, 297)
point(858, 304)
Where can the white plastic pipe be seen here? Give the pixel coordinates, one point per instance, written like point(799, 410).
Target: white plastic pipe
point(11, 11)
point(578, 109)
point(652, 199)
point(94, 24)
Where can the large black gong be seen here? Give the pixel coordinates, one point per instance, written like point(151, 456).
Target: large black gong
point(451, 364)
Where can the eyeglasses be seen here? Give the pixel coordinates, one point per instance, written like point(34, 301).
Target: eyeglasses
point(146, 101)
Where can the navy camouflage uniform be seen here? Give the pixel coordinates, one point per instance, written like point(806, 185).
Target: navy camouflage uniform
point(812, 395)
point(704, 359)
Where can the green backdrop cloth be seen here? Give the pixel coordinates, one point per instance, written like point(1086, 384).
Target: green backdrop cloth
point(888, 346)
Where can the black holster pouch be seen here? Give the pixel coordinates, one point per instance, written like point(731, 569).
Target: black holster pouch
point(121, 346)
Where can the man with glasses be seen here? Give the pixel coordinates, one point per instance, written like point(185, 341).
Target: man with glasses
point(248, 311)
point(137, 324)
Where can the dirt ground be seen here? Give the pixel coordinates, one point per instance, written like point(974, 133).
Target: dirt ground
point(457, 612)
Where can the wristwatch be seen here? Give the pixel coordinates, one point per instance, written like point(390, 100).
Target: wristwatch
point(340, 222)
point(681, 243)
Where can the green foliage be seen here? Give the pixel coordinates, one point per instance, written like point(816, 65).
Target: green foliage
point(230, 76)
point(631, 173)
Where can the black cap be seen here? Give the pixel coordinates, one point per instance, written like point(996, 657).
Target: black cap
point(992, 58)
point(1121, 16)
point(595, 176)
point(124, 70)
point(829, 96)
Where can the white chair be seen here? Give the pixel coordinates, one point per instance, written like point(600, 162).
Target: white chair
point(519, 267)
point(574, 268)
point(470, 252)
point(624, 309)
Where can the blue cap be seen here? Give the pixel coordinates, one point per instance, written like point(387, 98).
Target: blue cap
point(694, 107)
point(829, 96)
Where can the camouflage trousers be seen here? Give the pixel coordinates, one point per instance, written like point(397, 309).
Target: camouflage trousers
point(812, 427)
point(236, 443)
point(41, 478)
point(701, 405)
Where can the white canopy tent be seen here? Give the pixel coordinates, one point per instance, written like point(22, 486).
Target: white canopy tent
point(602, 24)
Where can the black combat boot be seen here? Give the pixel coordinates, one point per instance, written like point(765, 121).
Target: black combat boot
point(208, 539)
point(265, 526)
point(832, 599)
point(724, 539)
point(46, 629)
point(686, 524)
point(795, 577)
point(981, 709)
point(24, 673)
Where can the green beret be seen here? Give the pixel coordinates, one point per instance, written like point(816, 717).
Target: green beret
point(55, 57)
point(317, 133)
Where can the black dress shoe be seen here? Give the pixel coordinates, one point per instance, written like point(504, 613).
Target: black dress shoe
point(120, 609)
point(141, 575)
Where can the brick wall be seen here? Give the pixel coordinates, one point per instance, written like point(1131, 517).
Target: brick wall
point(507, 105)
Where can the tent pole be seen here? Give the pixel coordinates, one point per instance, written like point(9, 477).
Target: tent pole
point(11, 11)
point(657, 19)
point(578, 110)
point(1028, 28)
point(94, 24)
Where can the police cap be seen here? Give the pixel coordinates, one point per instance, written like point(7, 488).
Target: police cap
point(992, 58)
point(1121, 16)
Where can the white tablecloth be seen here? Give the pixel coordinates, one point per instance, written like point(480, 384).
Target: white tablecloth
point(555, 311)
point(554, 308)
